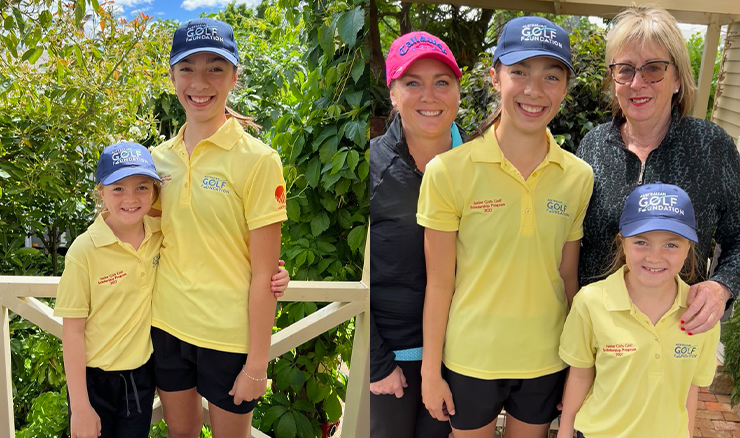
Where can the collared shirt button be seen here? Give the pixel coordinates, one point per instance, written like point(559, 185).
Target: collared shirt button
point(139, 260)
point(657, 356)
point(526, 211)
point(143, 274)
point(534, 174)
point(186, 185)
point(657, 339)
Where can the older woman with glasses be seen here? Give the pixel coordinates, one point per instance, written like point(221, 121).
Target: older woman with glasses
point(651, 139)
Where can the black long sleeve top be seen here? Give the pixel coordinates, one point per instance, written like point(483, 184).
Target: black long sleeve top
point(696, 155)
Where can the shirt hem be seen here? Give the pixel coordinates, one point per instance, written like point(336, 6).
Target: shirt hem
point(485, 375)
point(218, 346)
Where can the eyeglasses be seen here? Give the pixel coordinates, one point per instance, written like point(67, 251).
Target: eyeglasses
point(651, 72)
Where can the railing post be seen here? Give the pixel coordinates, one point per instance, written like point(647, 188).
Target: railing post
point(7, 422)
point(357, 407)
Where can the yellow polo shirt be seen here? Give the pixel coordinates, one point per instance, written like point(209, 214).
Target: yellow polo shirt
point(232, 183)
point(643, 372)
point(509, 304)
point(110, 284)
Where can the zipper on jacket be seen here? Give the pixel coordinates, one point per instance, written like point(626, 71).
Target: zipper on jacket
point(642, 173)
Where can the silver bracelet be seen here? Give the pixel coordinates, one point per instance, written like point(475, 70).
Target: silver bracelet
point(252, 378)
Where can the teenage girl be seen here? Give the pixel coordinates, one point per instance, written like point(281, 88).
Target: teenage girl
point(503, 216)
point(105, 297)
point(223, 200)
point(633, 372)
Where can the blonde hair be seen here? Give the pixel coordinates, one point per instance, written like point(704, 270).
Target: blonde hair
point(100, 205)
point(644, 26)
point(688, 272)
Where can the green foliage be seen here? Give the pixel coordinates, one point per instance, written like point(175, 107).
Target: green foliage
point(38, 368)
point(695, 46)
point(59, 110)
point(586, 105)
point(731, 341)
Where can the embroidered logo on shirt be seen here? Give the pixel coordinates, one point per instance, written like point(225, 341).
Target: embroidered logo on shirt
point(487, 205)
point(214, 184)
point(685, 351)
point(280, 194)
point(113, 278)
point(166, 178)
point(559, 208)
point(155, 261)
point(619, 350)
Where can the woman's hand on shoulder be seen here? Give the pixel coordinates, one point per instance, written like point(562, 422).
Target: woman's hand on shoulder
point(437, 397)
point(392, 384)
point(279, 282)
point(707, 301)
point(85, 423)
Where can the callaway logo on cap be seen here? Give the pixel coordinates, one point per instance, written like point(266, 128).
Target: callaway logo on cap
point(204, 35)
point(408, 48)
point(526, 37)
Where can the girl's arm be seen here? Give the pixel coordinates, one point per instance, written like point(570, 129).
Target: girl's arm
point(264, 251)
point(576, 389)
point(691, 402)
point(85, 422)
point(569, 269)
point(439, 250)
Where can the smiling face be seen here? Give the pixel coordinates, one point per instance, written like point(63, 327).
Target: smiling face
point(531, 93)
point(128, 200)
point(427, 97)
point(202, 82)
point(642, 102)
point(654, 258)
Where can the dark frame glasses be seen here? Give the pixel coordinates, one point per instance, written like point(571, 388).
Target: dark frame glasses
point(651, 72)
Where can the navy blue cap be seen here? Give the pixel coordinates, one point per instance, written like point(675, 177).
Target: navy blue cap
point(204, 35)
point(122, 160)
point(658, 207)
point(526, 37)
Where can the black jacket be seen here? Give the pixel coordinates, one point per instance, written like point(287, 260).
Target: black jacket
point(397, 268)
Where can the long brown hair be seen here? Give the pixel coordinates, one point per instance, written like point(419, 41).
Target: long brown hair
point(496, 115)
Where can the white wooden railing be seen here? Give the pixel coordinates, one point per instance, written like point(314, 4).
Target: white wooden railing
point(347, 300)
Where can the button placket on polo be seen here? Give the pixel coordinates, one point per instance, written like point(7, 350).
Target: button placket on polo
point(185, 194)
point(655, 353)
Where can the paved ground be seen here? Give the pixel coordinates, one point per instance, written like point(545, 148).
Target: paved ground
point(715, 417)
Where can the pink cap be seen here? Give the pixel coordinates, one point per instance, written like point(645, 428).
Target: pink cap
point(414, 46)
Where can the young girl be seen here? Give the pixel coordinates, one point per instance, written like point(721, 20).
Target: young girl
point(637, 372)
point(105, 297)
point(503, 216)
point(223, 199)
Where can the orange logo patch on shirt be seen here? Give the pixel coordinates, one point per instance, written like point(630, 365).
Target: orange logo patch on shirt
point(280, 194)
point(113, 278)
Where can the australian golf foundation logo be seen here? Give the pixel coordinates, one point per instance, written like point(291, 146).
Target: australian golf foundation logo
point(203, 32)
point(215, 184)
point(659, 201)
point(538, 32)
point(421, 42)
point(126, 156)
point(685, 351)
point(559, 208)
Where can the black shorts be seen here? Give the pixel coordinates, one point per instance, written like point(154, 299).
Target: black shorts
point(478, 402)
point(122, 399)
point(179, 366)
